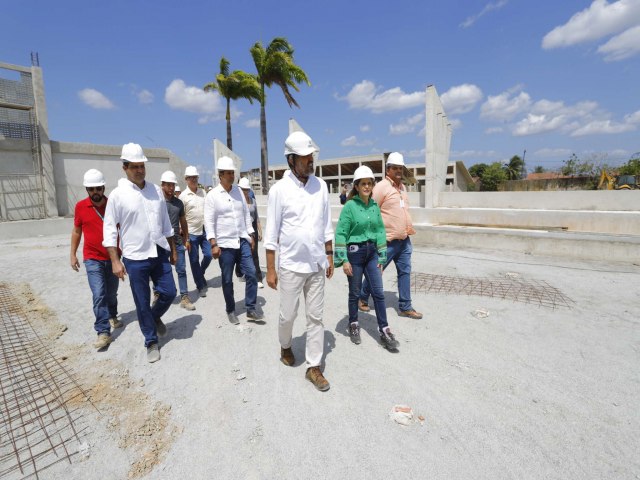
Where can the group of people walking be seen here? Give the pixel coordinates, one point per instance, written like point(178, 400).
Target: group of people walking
point(143, 229)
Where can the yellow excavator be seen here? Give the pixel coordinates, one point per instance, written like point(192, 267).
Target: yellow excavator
point(621, 182)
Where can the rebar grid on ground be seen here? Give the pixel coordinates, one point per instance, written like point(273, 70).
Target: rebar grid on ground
point(40, 398)
point(526, 291)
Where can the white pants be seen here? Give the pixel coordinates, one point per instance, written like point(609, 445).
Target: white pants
point(291, 284)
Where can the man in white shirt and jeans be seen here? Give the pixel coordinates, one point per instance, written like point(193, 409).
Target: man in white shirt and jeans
point(193, 199)
point(299, 228)
point(228, 226)
point(137, 212)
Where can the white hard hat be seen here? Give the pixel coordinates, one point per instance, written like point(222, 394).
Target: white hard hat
point(178, 189)
point(395, 158)
point(225, 163)
point(191, 171)
point(244, 183)
point(299, 143)
point(132, 152)
point(93, 178)
point(363, 172)
point(169, 177)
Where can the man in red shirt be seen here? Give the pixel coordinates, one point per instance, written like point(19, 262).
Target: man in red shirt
point(88, 219)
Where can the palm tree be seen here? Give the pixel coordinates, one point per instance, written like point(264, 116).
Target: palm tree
point(514, 168)
point(234, 86)
point(274, 65)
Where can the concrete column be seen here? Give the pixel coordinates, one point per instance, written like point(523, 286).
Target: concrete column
point(46, 158)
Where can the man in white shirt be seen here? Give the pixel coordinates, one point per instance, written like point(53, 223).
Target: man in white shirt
point(193, 199)
point(137, 212)
point(299, 228)
point(228, 226)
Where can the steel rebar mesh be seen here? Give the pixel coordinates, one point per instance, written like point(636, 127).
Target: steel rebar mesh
point(40, 399)
point(526, 291)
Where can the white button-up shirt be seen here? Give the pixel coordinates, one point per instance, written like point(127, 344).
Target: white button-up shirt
point(227, 217)
point(193, 209)
point(299, 223)
point(143, 219)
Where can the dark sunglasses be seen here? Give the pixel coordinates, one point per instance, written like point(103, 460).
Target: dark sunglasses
point(95, 189)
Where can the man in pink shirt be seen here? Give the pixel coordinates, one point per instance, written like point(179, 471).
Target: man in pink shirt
point(391, 195)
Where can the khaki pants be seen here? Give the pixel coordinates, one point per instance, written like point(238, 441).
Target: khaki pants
point(291, 284)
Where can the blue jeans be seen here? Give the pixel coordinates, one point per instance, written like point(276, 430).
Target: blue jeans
point(229, 257)
point(363, 258)
point(158, 270)
point(400, 252)
point(181, 269)
point(198, 269)
point(104, 288)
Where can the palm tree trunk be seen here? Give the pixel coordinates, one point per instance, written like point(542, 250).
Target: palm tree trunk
point(229, 142)
point(264, 160)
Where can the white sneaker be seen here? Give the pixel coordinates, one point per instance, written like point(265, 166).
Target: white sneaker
point(260, 285)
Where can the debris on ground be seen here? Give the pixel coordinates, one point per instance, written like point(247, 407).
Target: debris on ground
point(480, 313)
point(401, 414)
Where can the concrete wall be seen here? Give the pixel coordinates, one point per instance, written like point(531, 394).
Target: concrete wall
point(72, 160)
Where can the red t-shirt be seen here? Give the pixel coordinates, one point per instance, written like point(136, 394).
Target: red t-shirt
point(88, 219)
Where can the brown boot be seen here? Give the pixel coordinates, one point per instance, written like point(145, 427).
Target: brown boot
point(410, 314)
point(286, 356)
point(314, 375)
point(363, 306)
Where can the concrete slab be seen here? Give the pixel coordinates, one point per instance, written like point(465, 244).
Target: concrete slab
point(507, 389)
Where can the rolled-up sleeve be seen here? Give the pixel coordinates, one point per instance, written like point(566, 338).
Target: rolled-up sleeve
point(328, 225)
point(209, 214)
point(110, 224)
point(270, 239)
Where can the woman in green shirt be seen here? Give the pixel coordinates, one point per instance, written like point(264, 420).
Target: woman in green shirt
point(361, 249)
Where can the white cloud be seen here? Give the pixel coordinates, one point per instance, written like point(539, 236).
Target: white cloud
point(533, 124)
point(633, 117)
point(407, 125)
point(461, 98)
point(489, 7)
point(145, 97)
point(365, 128)
point(179, 96)
point(602, 127)
point(492, 130)
point(599, 20)
point(252, 123)
point(552, 152)
point(353, 141)
point(95, 99)
point(622, 46)
point(366, 95)
point(505, 106)
point(473, 153)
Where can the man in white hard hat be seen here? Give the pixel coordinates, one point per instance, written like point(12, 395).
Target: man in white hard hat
point(177, 191)
point(299, 228)
point(229, 231)
point(137, 212)
point(88, 220)
point(193, 199)
point(175, 209)
point(391, 195)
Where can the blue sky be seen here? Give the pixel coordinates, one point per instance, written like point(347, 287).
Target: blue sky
point(549, 77)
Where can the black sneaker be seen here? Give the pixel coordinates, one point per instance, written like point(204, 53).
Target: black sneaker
point(354, 333)
point(254, 316)
point(388, 340)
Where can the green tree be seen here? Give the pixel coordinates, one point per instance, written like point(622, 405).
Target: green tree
point(234, 86)
point(570, 166)
point(274, 65)
point(539, 169)
point(478, 169)
point(493, 176)
point(514, 169)
point(632, 167)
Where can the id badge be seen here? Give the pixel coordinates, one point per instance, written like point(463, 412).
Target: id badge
point(402, 202)
point(353, 248)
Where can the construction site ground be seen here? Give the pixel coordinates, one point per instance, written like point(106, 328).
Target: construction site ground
point(522, 367)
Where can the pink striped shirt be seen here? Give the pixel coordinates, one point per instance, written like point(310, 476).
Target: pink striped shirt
point(394, 207)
